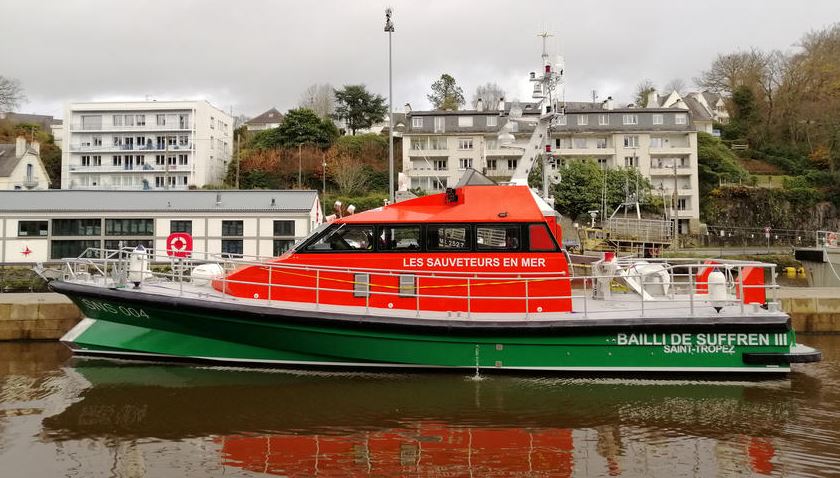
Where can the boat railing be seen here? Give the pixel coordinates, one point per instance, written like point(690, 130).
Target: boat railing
point(830, 239)
point(682, 294)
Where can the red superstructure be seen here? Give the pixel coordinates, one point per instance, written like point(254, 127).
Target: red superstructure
point(467, 242)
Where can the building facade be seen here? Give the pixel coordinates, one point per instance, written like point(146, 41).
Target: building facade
point(21, 166)
point(269, 120)
point(146, 145)
point(42, 226)
point(661, 142)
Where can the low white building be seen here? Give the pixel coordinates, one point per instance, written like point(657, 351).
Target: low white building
point(143, 145)
point(269, 120)
point(41, 226)
point(21, 167)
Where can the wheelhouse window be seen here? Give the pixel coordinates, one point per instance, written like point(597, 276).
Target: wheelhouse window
point(345, 238)
point(399, 238)
point(447, 237)
point(497, 238)
point(33, 228)
point(539, 238)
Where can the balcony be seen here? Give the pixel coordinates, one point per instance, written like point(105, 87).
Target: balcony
point(142, 168)
point(669, 170)
point(30, 182)
point(117, 148)
point(78, 128)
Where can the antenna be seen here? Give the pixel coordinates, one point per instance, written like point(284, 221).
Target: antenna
point(594, 96)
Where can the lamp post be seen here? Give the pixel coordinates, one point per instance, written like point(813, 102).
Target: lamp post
point(389, 27)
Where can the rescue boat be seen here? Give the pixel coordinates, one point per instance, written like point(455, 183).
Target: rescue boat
point(472, 278)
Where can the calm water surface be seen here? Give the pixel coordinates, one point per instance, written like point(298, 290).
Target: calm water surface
point(71, 417)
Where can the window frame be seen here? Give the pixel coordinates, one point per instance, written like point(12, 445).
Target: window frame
point(238, 224)
point(42, 232)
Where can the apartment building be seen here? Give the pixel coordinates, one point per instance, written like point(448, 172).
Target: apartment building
point(145, 145)
point(661, 142)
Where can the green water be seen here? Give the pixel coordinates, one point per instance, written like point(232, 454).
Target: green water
point(61, 416)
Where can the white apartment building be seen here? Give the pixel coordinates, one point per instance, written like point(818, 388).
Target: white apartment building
point(660, 142)
point(145, 145)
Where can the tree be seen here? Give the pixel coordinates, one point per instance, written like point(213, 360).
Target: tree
point(583, 182)
point(348, 173)
point(319, 98)
point(490, 94)
point(359, 108)
point(300, 126)
point(11, 94)
point(643, 91)
point(446, 94)
point(677, 84)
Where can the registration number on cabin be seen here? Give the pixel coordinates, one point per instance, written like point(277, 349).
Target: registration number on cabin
point(108, 308)
point(702, 343)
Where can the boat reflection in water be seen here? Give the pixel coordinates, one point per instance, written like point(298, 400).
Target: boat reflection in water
point(309, 423)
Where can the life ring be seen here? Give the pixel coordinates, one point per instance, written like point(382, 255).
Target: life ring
point(831, 239)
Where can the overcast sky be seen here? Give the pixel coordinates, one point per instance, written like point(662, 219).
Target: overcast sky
point(251, 55)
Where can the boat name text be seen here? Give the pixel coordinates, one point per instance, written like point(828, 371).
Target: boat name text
point(689, 343)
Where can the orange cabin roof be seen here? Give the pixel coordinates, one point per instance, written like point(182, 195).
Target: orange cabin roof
point(475, 204)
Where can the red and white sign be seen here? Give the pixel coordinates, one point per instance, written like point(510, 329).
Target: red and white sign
point(179, 244)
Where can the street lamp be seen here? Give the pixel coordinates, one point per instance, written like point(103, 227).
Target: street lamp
point(389, 27)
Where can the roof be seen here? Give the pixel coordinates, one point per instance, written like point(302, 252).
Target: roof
point(711, 97)
point(270, 116)
point(8, 160)
point(143, 201)
point(527, 107)
point(698, 111)
point(474, 204)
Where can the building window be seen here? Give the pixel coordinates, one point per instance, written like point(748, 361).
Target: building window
point(601, 143)
point(212, 123)
point(465, 121)
point(280, 246)
point(491, 164)
point(512, 163)
point(580, 143)
point(656, 143)
point(583, 120)
point(182, 160)
point(232, 228)
point(160, 120)
point(440, 123)
point(232, 247)
point(97, 160)
point(465, 143)
point(129, 120)
point(62, 249)
point(657, 119)
point(465, 163)
point(141, 120)
point(97, 140)
point(117, 119)
point(560, 120)
point(418, 144)
point(437, 143)
point(76, 227)
point(212, 140)
point(440, 165)
point(180, 226)
point(91, 122)
point(33, 228)
point(85, 160)
point(159, 181)
point(630, 119)
point(183, 140)
point(602, 163)
point(284, 228)
point(631, 162)
point(116, 244)
point(116, 160)
point(492, 120)
point(417, 122)
point(603, 120)
point(159, 160)
point(680, 118)
point(129, 227)
point(682, 204)
point(631, 141)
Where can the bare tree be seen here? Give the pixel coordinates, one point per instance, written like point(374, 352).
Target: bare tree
point(348, 173)
point(678, 85)
point(490, 94)
point(643, 90)
point(11, 94)
point(319, 98)
point(728, 72)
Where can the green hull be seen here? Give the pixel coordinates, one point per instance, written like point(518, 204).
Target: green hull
point(135, 324)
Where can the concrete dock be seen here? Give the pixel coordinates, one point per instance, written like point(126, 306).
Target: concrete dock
point(47, 316)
